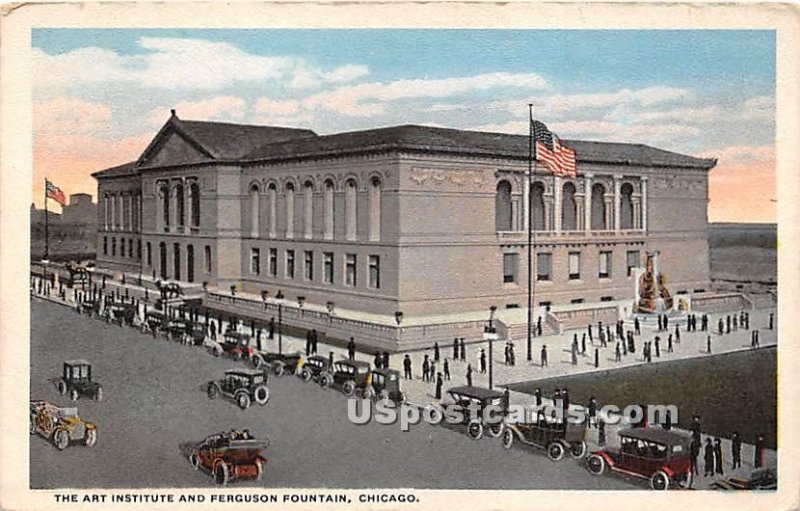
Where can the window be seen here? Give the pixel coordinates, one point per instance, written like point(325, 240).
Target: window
point(105, 245)
point(327, 205)
point(176, 260)
point(700, 290)
point(289, 210)
point(194, 191)
point(576, 300)
point(574, 265)
point(207, 254)
point(327, 262)
point(502, 208)
point(164, 206)
point(255, 209)
point(569, 208)
point(598, 207)
point(632, 260)
point(375, 272)
point(512, 306)
point(604, 271)
point(350, 270)
point(350, 212)
point(626, 206)
point(537, 205)
point(290, 264)
point(272, 197)
point(149, 254)
point(510, 268)
point(255, 261)
point(190, 263)
point(139, 249)
point(375, 209)
point(308, 209)
point(113, 246)
point(273, 262)
point(606, 298)
point(544, 267)
point(179, 204)
point(162, 248)
point(308, 264)
point(130, 248)
point(545, 304)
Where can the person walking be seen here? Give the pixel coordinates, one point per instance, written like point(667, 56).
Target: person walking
point(718, 460)
point(660, 323)
point(463, 351)
point(658, 347)
point(271, 328)
point(432, 371)
point(708, 344)
point(592, 412)
point(506, 356)
point(669, 344)
point(636, 326)
point(721, 326)
point(308, 342)
point(575, 353)
point(589, 329)
point(436, 351)
point(617, 353)
point(771, 320)
point(439, 384)
point(728, 324)
point(213, 328)
point(583, 344)
point(512, 358)
point(426, 365)
point(695, 453)
point(407, 367)
point(544, 355)
point(446, 369)
point(704, 322)
point(708, 458)
point(666, 322)
point(455, 348)
point(596, 358)
point(758, 456)
point(377, 361)
point(736, 450)
point(758, 341)
point(385, 361)
point(314, 340)
point(351, 349)
point(483, 361)
point(677, 334)
point(469, 375)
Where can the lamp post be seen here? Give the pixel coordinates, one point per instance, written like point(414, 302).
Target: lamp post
point(279, 298)
point(490, 335)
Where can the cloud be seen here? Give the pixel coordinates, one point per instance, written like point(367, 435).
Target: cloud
point(218, 108)
point(742, 186)
point(61, 116)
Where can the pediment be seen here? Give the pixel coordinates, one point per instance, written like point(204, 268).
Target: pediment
point(172, 147)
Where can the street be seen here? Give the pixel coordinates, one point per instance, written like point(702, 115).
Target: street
point(154, 399)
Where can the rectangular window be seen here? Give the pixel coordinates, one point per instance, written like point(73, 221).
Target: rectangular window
point(574, 265)
point(113, 246)
point(105, 245)
point(150, 254)
point(545, 304)
point(327, 261)
point(130, 248)
point(255, 261)
point(290, 264)
point(544, 266)
point(576, 300)
point(510, 268)
point(273, 262)
point(139, 249)
point(604, 271)
point(606, 298)
point(512, 306)
point(207, 254)
point(632, 260)
point(375, 272)
point(309, 265)
point(350, 270)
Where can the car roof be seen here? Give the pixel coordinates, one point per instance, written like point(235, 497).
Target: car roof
point(77, 362)
point(386, 372)
point(354, 363)
point(236, 335)
point(245, 372)
point(476, 392)
point(657, 435)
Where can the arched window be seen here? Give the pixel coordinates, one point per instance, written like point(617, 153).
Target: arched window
point(113, 200)
point(165, 206)
point(194, 192)
point(190, 263)
point(162, 247)
point(308, 209)
point(255, 208)
point(179, 203)
point(375, 209)
point(176, 260)
point(502, 207)
point(105, 212)
point(569, 209)
point(626, 206)
point(120, 212)
point(328, 209)
point(350, 211)
point(272, 198)
point(598, 207)
point(537, 203)
point(289, 210)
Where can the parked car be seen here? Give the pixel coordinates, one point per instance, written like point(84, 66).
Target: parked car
point(185, 331)
point(661, 456)
point(76, 380)
point(760, 479)
point(481, 398)
point(313, 367)
point(228, 456)
point(89, 307)
point(236, 345)
point(555, 438)
point(350, 376)
point(121, 313)
point(62, 426)
point(386, 386)
point(280, 362)
point(241, 385)
point(154, 322)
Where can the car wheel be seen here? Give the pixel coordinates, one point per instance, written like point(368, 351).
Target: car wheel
point(257, 361)
point(555, 451)
point(222, 475)
point(261, 394)
point(98, 394)
point(278, 368)
point(596, 464)
point(62, 388)
point(90, 438)
point(213, 391)
point(61, 439)
point(349, 388)
point(475, 430)
point(659, 481)
point(73, 395)
point(495, 430)
point(368, 393)
point(217, 351)
point(326, 381)
point(508, 438)
point(194, 462)
point(259, 469)
point(305, 374)
point(243, 400)
point(401, 398)
point(578, 451)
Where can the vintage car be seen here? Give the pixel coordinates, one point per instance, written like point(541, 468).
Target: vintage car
point(89, 307)
point(280, 362)
point(659, 455)
point(62, 426)
point(235, 344)
point(386, 386)
point(480, 398)
point(228, 456)
point(241, 385)
point(76, 380)
point(760, 479)
point(121, 313)
point(350, 376)
point(154, 322)
point(313, 367)
point(555, 438)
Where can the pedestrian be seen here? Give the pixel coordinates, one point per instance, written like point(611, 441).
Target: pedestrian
point(658, 346)
point(753, 339)
point(771, 320)
point(544, 355)
point(432, 371)
point(601, 431)
point(704, 322)
point(271, 328)
point(608, 336)
point(469, 375)
point(695, 453)
point(506, 356)
point(385, 361)
point(436, 351)
point(537, 395)
point(455, 348)
point(600, 331)
point(308, 342)
point(213, 329)
point(728, 324)
point(592, 407)
point(596, 358)
point(736, 450)
point(425, 368)
point(351, 349)
point(617, 353)
point(636, 326)
point(666, 322)
point(483, 361)
point(758, 341)
point(677, 334)
point(735, 322)
point(407, 367)
point(583, 344)
point(589, 328)
point(463, 351)
point(718, 460)
point(721, 326)
point(667, 420)
point(669, 344)
point(512, 358)
point(660, 323)
point(758, 457)
point(439, 384)
point(539, 326)
point(708, 458)
point(377, 361)
point(314, 340)
point(446, 369)
point(708, 344)
point(694, 427)
point(258, 339)
point(575, 354)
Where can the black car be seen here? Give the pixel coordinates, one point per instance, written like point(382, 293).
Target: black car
point(314, 366)
point(481, 398)
point(76, 381)
point(121, 313)
point(350, 376)
point(241, 385)
point(386, 385)
point(280, 362)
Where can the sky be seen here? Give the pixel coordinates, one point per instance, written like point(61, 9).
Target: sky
point(100, 96)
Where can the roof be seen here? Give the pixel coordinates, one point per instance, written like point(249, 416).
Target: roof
point(233, 141)
point(77, 362)
point(476, 392)
point(386, 371)
point(245, 372)
point(658, 435)
point(354, 363)
point(126, 169)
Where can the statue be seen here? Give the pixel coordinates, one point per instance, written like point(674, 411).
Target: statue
point(652, 288)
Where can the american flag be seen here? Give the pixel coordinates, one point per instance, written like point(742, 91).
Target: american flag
point(55, 193)
point(557, 157)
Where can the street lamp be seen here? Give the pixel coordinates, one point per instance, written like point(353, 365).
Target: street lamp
point(398, 317)
point(279, 298)
point(490, 334)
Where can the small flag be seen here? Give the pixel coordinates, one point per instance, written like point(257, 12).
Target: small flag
point(55, 193)
point(557, 157)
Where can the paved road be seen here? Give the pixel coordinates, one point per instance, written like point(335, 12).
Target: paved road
point(154, 399)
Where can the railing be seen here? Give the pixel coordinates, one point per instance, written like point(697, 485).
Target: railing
point(571, 234)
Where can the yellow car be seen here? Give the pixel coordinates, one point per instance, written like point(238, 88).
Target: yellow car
point(62, 426)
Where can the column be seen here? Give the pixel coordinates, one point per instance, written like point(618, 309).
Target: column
point(617, 196)
point(173, 208)
point(526, 193)
point(187, 207)
point(130, 211)
point(121, 211)
point(105, 212)
point(113, 198)
point(557, 204)
point(644, 204)
point(587, 202)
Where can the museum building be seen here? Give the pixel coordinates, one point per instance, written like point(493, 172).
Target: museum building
point(414, 219)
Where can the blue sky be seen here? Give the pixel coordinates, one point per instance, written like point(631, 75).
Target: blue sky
point(700, 92)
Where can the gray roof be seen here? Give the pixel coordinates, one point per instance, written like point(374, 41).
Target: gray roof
point(658, 435)
point(77, 362)
point(476, 392)
point(234, 141)
point(126, 169)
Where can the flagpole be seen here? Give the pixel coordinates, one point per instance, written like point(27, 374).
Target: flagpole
point(46, 226)
point(529, 184)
